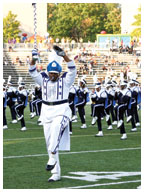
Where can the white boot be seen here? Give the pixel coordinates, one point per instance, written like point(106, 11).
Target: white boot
point(120, 122)
point(124, 136)
point(137, 124)
point(54, 177)
point(56, 171)
point(107, 117)
point(33, 115)
point(94, 120)
point(134, 129)
point(14, 121)
point(51, 162)
point(23, 129)
point(110, 127)
point(83, 126)
point(19, 118)
point(5, 127)
point(100, 134)
point(114, 123)
point(128, 119)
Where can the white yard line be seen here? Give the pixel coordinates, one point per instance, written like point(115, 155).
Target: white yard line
point(102, 184)
point(76, 152)
point(33, 138)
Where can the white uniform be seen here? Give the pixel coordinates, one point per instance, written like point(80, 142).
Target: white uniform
point(56, 117)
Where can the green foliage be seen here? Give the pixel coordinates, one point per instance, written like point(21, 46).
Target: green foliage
point(137, 32)
point(113, 21)
point(10, 27)
point(82, 20)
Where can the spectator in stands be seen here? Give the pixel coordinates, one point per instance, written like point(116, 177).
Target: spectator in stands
point(27, 60)
point(137, 61)
point(113, 61)
point(104, 68)
point(106, 60)
point(10, 49)
point(73, 43)
point(95, 78)
point(139, 64)
point(20, 62)
point(90, 69)
point(17, 59)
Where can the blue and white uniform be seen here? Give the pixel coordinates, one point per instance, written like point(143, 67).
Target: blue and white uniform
point(55, 111)
point(22, 100)
point(11, 100)
point(53, 92)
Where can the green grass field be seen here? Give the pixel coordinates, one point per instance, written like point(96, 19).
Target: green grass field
point(93, 162)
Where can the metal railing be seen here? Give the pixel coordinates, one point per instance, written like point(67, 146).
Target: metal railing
point(43, 45)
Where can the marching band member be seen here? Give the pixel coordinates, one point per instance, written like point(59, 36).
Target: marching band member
point(124, 98)
point(4, 108)
point(22, 99)
point(11, 100)
point(98, 108)
point(72, 95)
point(35, 103)
point(82, 98)
point(55, 111)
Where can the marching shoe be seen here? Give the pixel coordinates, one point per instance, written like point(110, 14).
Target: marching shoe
point(107, 117)
point(94, 120)
point(137, 124)
point(23, 129)
point(19, 118)
point(134, 129)
point(5, 127)
point(70, 132)
point(54, 177)
point(100, 134)
point(33, 115)
point(128, 119)
point(40, 123)
point(14, 121)
point(83, 126)
point(110, 127)
point(74, 121)
point(74, 117)
point(124, 136)
point(120, 122)
point(114, 123)
point(51, 163)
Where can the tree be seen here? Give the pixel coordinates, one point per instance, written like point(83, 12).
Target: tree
point(10, 27)
point(137, 32)
point(80, 20)
point(113, 20)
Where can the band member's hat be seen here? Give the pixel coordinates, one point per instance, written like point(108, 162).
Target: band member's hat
point(98, 85)
point(55, 63)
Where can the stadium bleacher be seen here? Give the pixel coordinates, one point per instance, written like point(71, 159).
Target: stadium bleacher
point(16, 69)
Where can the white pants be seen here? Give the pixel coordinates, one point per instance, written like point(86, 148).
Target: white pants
point(53, 132)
